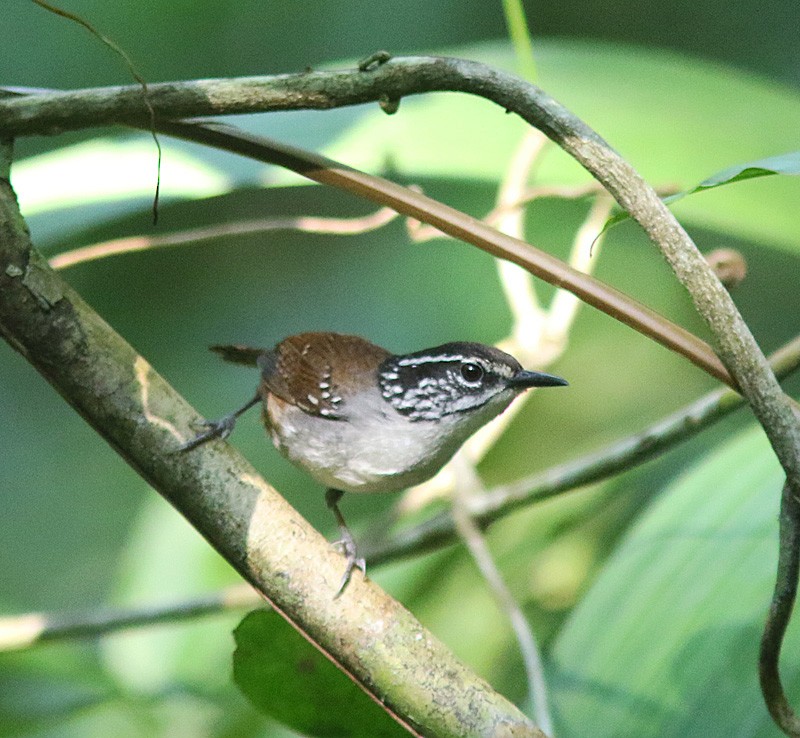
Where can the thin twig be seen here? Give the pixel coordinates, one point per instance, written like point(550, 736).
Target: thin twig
point(516, 282)
point(467, 484)
point(24, 631)
point(307, 224)
point(585, 250)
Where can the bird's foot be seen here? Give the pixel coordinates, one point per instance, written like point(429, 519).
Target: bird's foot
point(347, 545)
point(221, 429)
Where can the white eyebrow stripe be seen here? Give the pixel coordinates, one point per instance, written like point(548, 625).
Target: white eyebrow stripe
point(413, 361)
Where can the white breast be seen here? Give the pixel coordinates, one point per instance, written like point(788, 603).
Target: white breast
point(376, 449)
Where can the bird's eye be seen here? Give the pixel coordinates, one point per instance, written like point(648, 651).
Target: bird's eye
point(472, 372)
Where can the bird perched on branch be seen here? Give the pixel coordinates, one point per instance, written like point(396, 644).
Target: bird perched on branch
point(358, 418)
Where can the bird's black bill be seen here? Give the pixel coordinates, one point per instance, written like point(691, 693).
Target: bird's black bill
point(525, 378)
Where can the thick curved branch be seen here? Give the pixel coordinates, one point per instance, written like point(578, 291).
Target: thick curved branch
point(399, 77)
point(413, 675)
point(388, 81)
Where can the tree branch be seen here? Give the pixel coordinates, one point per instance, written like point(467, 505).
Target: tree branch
point(417, 680)
point(43, 112)
point(301, 223)
point(468, 484)
point(388, 81)
point(780, 612)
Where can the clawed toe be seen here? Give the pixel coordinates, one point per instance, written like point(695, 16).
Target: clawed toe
point(352, 562)
point(346, 544)
point(221, 429)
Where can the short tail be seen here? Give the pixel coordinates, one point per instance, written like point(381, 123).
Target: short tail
point(246, 355)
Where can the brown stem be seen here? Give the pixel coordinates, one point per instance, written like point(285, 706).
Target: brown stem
point(464, 227)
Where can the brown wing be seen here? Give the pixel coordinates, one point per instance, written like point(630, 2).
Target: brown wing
point(317, 371)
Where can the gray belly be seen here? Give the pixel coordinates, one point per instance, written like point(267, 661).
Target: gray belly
point(381, 454)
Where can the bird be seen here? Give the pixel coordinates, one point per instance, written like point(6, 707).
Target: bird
point(358, 418)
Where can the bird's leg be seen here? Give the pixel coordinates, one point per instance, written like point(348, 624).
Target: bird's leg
point(347, 543)
point(221, 428)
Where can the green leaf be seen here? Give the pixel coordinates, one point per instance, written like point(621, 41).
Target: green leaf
point(782, 164)
point(666, 641)
point(788, 163)
point(289, 680)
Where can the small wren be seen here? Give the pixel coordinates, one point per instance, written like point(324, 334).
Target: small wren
point(360, 419)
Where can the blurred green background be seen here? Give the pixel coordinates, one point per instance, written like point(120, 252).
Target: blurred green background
point(700, 88)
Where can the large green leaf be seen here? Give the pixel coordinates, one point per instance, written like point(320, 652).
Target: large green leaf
point(666, 641)
point(287, 679)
